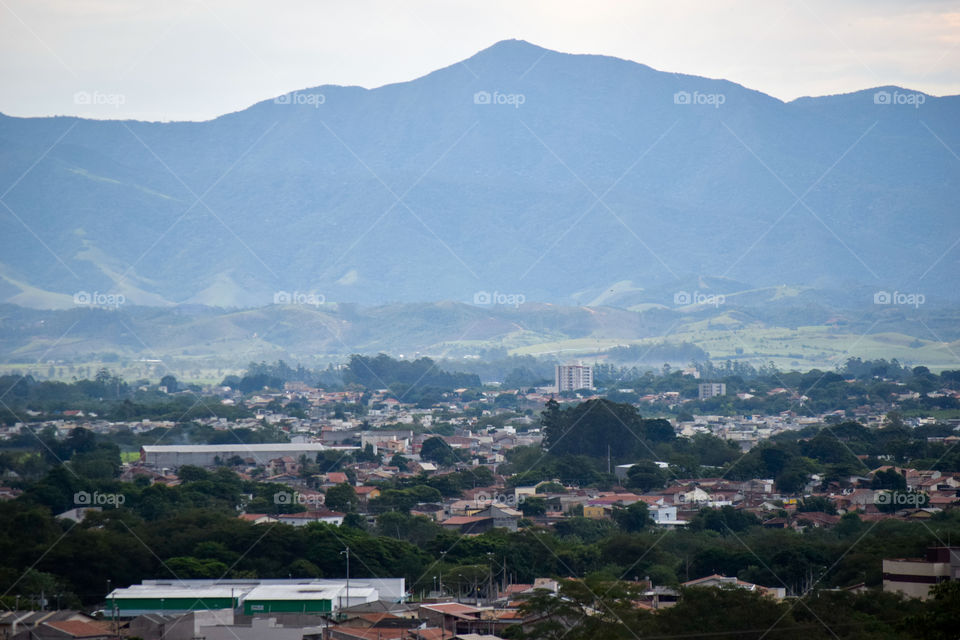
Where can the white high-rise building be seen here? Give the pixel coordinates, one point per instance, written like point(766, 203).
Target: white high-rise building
point(711, 389)
point(571, 377)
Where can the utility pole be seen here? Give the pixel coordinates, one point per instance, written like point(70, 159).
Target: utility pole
point(347, 553)
point(504, 572)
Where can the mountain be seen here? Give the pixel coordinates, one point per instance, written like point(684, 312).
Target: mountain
point(523, 172)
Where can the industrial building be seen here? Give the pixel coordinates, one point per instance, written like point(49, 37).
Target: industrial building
point(210, 455)
point(253, 596)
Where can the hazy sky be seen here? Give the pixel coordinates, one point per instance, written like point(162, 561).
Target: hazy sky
point(196, 59)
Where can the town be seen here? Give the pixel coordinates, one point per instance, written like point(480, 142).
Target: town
point(475, 464)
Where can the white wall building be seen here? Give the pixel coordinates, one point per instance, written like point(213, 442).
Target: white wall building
point(711, 389)
point(570, 377)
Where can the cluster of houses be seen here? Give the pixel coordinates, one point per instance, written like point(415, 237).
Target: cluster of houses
point(303, 610)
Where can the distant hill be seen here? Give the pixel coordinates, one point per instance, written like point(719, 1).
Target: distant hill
point(569, 179)
point(193, 341)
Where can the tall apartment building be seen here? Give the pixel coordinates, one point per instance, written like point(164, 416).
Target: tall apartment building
point(570, 377)
point(711, 389)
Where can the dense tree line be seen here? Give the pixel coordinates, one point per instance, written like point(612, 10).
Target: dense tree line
point(404, 377)
point(855, 384)
point(107, 397)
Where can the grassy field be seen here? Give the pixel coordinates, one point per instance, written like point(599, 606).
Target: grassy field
point(801, 349)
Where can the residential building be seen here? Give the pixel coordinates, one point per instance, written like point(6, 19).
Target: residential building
point(717, 580)
point(711, 389)
point(913, 577)
point(571, 377)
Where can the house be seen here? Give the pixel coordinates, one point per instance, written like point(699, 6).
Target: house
point(503, 516)
point(659, 597)
point(717, 580)
point(257, 518)
point(816, 519)
point(13, 622)
point(283, 465)
point(381, 620)
point(67, 630)
point(422, 467)
point(695, 496)
point(353, 633)
point(306, 517)
point(9, 493)
point(468, 524)
point(399, 609)
point(597, 511)
point(429, 510)
point(447, 614)
point(77, 513)
point(334, 478)
point(602, 505)
point(154, 626)
point(366, 493)
point(665, 516)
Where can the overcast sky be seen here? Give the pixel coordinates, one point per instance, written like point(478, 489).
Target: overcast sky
point(196, 59)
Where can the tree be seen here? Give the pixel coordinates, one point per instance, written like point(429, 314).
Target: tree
point(584, 610)
point(645, 475)
point(367, 454)
point(302, 568)
point(740, 613)
point(889, 479)
point(594, 428)
point(942, 618)
point(724, 519)
point(399, 462)
point(658, 430)
point(533, 507)
point(437, 450)
point(188, 473)
point(341, 497)
point(170, 383)
point(635, 517)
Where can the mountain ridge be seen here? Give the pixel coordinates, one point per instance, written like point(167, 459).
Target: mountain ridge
point(415, 191)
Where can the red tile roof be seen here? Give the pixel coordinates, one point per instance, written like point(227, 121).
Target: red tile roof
point(80, 629)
